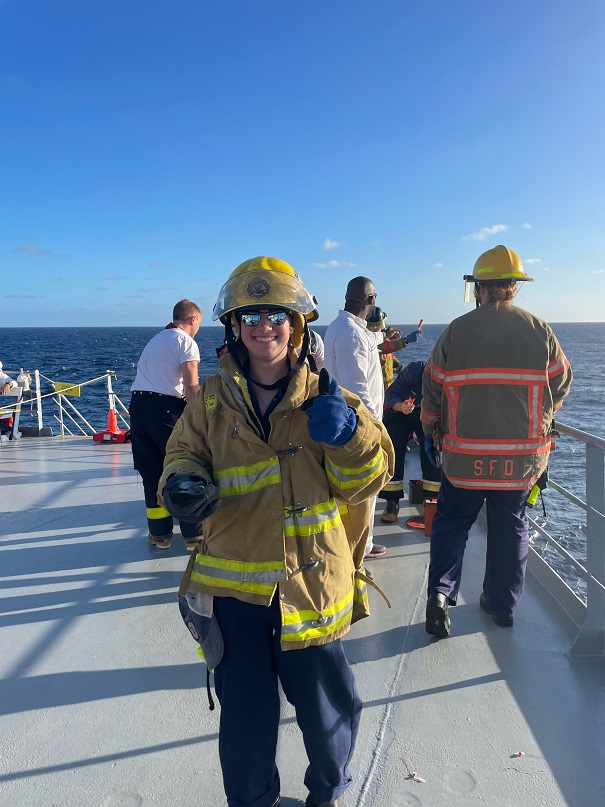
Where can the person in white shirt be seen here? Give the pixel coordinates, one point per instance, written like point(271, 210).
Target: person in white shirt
point(166, 379)
point(351, 356)
point(6, 384)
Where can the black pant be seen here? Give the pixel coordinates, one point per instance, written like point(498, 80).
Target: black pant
point(152, 419)
point(399, 427)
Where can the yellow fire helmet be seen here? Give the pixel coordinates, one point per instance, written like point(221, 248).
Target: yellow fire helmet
point(265, 282)
point(499, 263)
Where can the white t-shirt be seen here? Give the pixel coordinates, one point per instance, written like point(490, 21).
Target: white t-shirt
point(159, 368)
point(319, 351)
point(351, 356)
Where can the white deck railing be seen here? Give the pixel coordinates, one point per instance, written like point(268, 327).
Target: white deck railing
point(590, 616)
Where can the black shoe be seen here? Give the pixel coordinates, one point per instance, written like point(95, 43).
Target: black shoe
point(501, 621)
point(437, 621)
point(391, 511)
point(312, 802)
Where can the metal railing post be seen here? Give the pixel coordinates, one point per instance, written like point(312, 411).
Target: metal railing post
point(110, 393)
point(38, 398)
point(591, 639)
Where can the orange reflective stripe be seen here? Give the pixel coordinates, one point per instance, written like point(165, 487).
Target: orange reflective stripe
point(493, 484)
point(558, 365)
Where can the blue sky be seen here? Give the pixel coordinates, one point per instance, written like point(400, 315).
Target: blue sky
point(148, 148)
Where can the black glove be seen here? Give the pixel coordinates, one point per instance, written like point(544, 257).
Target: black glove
point(189, 497)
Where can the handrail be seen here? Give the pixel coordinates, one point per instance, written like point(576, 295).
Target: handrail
point(58, 398)
point(590, 642)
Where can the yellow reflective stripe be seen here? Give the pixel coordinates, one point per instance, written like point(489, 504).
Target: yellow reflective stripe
point(311, 520)
point(343, 509)
point(353, 477)
point(428, 485)
point(360, 591)
point(251, 588)
point(240, 479)
point(394, 486)
point(303, 625)
point(157, 512)
point(175, 462)
point(258, 578)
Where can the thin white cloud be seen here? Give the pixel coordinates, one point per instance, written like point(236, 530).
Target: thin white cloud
point(485, 232)
point(375, 243)
point(156, 264)
point(114, 277)
point(438, 265)
point(33, 251)
point(533, 260)
point(101, 288)
point(24, 296)
point(329, 244)
point(597, 271)
point(527, 226)
point(331, 265)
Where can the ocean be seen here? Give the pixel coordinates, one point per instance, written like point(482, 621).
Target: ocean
point(76, 355)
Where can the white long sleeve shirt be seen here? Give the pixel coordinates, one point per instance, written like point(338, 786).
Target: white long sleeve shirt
point(351, 356)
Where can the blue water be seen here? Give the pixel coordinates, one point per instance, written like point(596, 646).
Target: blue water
point(79, 354)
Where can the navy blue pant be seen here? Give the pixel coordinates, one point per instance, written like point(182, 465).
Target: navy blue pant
point(507, 543)
point(399, 427)
point(317, 681)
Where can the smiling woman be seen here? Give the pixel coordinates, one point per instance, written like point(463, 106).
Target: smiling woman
point(266, 335)
point(275, 446)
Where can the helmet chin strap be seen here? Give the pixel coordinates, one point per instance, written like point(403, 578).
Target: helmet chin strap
point(233, 348)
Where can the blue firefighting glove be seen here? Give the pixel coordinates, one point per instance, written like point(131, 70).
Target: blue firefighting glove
point(414, 336)
point(330, 419)
point(189, 497)
point(431, 452)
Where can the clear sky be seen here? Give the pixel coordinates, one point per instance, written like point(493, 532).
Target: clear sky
point(147, 148)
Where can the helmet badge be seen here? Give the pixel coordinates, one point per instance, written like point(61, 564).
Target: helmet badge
point(258, 287)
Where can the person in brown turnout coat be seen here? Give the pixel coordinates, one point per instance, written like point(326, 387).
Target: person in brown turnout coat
point(491, 387)
point(275, 583)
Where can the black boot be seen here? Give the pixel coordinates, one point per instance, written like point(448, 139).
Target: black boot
point(437, 620)
point(391, 511)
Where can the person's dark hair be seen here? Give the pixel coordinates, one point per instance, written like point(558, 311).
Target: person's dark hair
point(501, 291)
point(184, 309)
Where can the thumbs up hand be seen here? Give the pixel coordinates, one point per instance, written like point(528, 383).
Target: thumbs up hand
point(331, 421)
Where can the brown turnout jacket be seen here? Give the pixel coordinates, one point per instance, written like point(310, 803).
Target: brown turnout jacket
point(493, 381)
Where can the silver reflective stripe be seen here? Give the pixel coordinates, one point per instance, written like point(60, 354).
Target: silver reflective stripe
point(313, 519)
point(349, 475)
point(244, 479)
point(240, 575)
point(496, 377)
point(320, 621)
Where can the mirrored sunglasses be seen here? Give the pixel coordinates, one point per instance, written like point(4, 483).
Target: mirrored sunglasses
point(253, 318)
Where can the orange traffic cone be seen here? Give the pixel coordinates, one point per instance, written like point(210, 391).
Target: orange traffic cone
point(112, 421)
point(112, 434)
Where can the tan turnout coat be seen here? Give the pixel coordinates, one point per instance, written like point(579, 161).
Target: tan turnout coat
point(279, 530)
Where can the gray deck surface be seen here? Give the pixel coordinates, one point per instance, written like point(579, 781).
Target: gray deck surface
point(102, 696)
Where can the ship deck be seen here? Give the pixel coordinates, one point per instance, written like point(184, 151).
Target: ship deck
point(102, 695)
